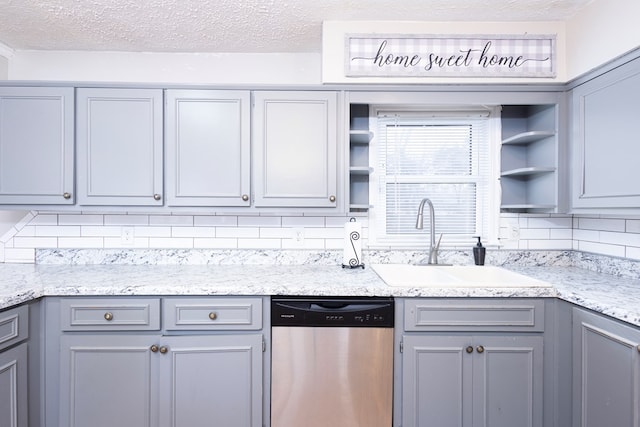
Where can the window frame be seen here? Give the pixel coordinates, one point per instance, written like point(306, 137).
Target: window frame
point(489, 229)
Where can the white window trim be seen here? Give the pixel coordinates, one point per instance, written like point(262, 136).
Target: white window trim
point(494, 192)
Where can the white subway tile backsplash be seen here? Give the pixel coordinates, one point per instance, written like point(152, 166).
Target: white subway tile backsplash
point(128, 220)
point(81, 242)
point(259, 221)
point(602, 235)
point(171, 220)
point(215, 220)
point(54, 231)
point(35, 242)
point(205, 232)
point(149, 231)
point(80, 219)
point(103, 231)
point(633, 226)
point(259, 244)
point(603, 249)
point(604, 224)
point(171, 243)
point(303, 221)
point(210, 243)
point(633, 253)
point(44, 219)
point(18, 255)
point(534, 233)
point(245, 232)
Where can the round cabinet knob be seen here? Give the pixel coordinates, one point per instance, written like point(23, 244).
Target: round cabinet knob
point(245, 197)
point(332, 198)
point(66, 195)
point(157, 197)
point(469, 349)
point(163, 350)
point(213, 315)
point(480, 349)
point(154, 348)
point(108, 316)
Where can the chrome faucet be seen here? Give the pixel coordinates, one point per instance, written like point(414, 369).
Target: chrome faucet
point(433, 246)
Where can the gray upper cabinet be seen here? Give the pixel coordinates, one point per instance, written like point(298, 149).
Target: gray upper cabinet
point(295, 140)
point(119, 144)
point(208, 148)
point(606, 372)
point(36, 145)
point(606, 143)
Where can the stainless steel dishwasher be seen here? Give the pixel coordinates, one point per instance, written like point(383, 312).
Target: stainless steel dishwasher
point(332, 362)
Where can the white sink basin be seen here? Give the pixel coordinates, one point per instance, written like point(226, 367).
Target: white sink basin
point(458, 276)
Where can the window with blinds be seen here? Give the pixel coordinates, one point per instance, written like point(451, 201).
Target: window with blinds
point(444, 156)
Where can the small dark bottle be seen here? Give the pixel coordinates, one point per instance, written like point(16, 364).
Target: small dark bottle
point(479, 252)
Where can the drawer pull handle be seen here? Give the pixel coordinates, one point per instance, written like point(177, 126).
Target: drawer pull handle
point(108, 316)
point(480, 349)
point(163, 350)
point(213, 315)
point(154, 348)
point(469, 349)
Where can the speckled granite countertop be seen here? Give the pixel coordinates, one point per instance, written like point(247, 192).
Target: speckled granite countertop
point(615, 296)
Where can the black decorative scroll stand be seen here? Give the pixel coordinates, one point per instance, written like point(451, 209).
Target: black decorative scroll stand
point(354, 262)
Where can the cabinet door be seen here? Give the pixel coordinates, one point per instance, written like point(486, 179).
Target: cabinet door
point(212, 380)
point(208, 148)
point(436, 381)
point(479, 381)
point(606, 369)
point(13, 387)
point(606, 145)
point(295, 149)
point(119, 134)
point(36, 145)
point(108, 380)
point(507, 381)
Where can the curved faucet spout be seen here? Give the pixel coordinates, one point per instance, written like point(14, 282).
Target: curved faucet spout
point(433, 248)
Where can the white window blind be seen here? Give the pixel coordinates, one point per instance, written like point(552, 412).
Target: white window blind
point(444, 156)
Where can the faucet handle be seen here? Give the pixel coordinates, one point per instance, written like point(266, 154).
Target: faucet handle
point(438, 243)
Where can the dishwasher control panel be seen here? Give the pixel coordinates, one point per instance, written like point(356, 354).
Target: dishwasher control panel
point(372, 312)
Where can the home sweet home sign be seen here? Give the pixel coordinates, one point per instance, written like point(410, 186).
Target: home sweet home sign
point(380, 55)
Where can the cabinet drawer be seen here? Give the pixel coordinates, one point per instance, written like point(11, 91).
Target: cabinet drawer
point(14, 326)
point(110, 314)
point(483, 315)
point(236, 313)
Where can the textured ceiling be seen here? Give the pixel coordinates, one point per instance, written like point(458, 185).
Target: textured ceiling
point(233, 25)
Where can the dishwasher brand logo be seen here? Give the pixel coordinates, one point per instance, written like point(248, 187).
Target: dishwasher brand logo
point(287, 316)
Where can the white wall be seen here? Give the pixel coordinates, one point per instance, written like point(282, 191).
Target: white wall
point(178, 68)
point(604, 30)
point(4, 68)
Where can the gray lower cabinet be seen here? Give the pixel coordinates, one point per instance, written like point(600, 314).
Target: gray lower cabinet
point(606, 372)
point(153, 380)
point(14, 331)
point(123, 363)
point(36, 145)
point(120, 146)
point(464, 365)
point(13, 387)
